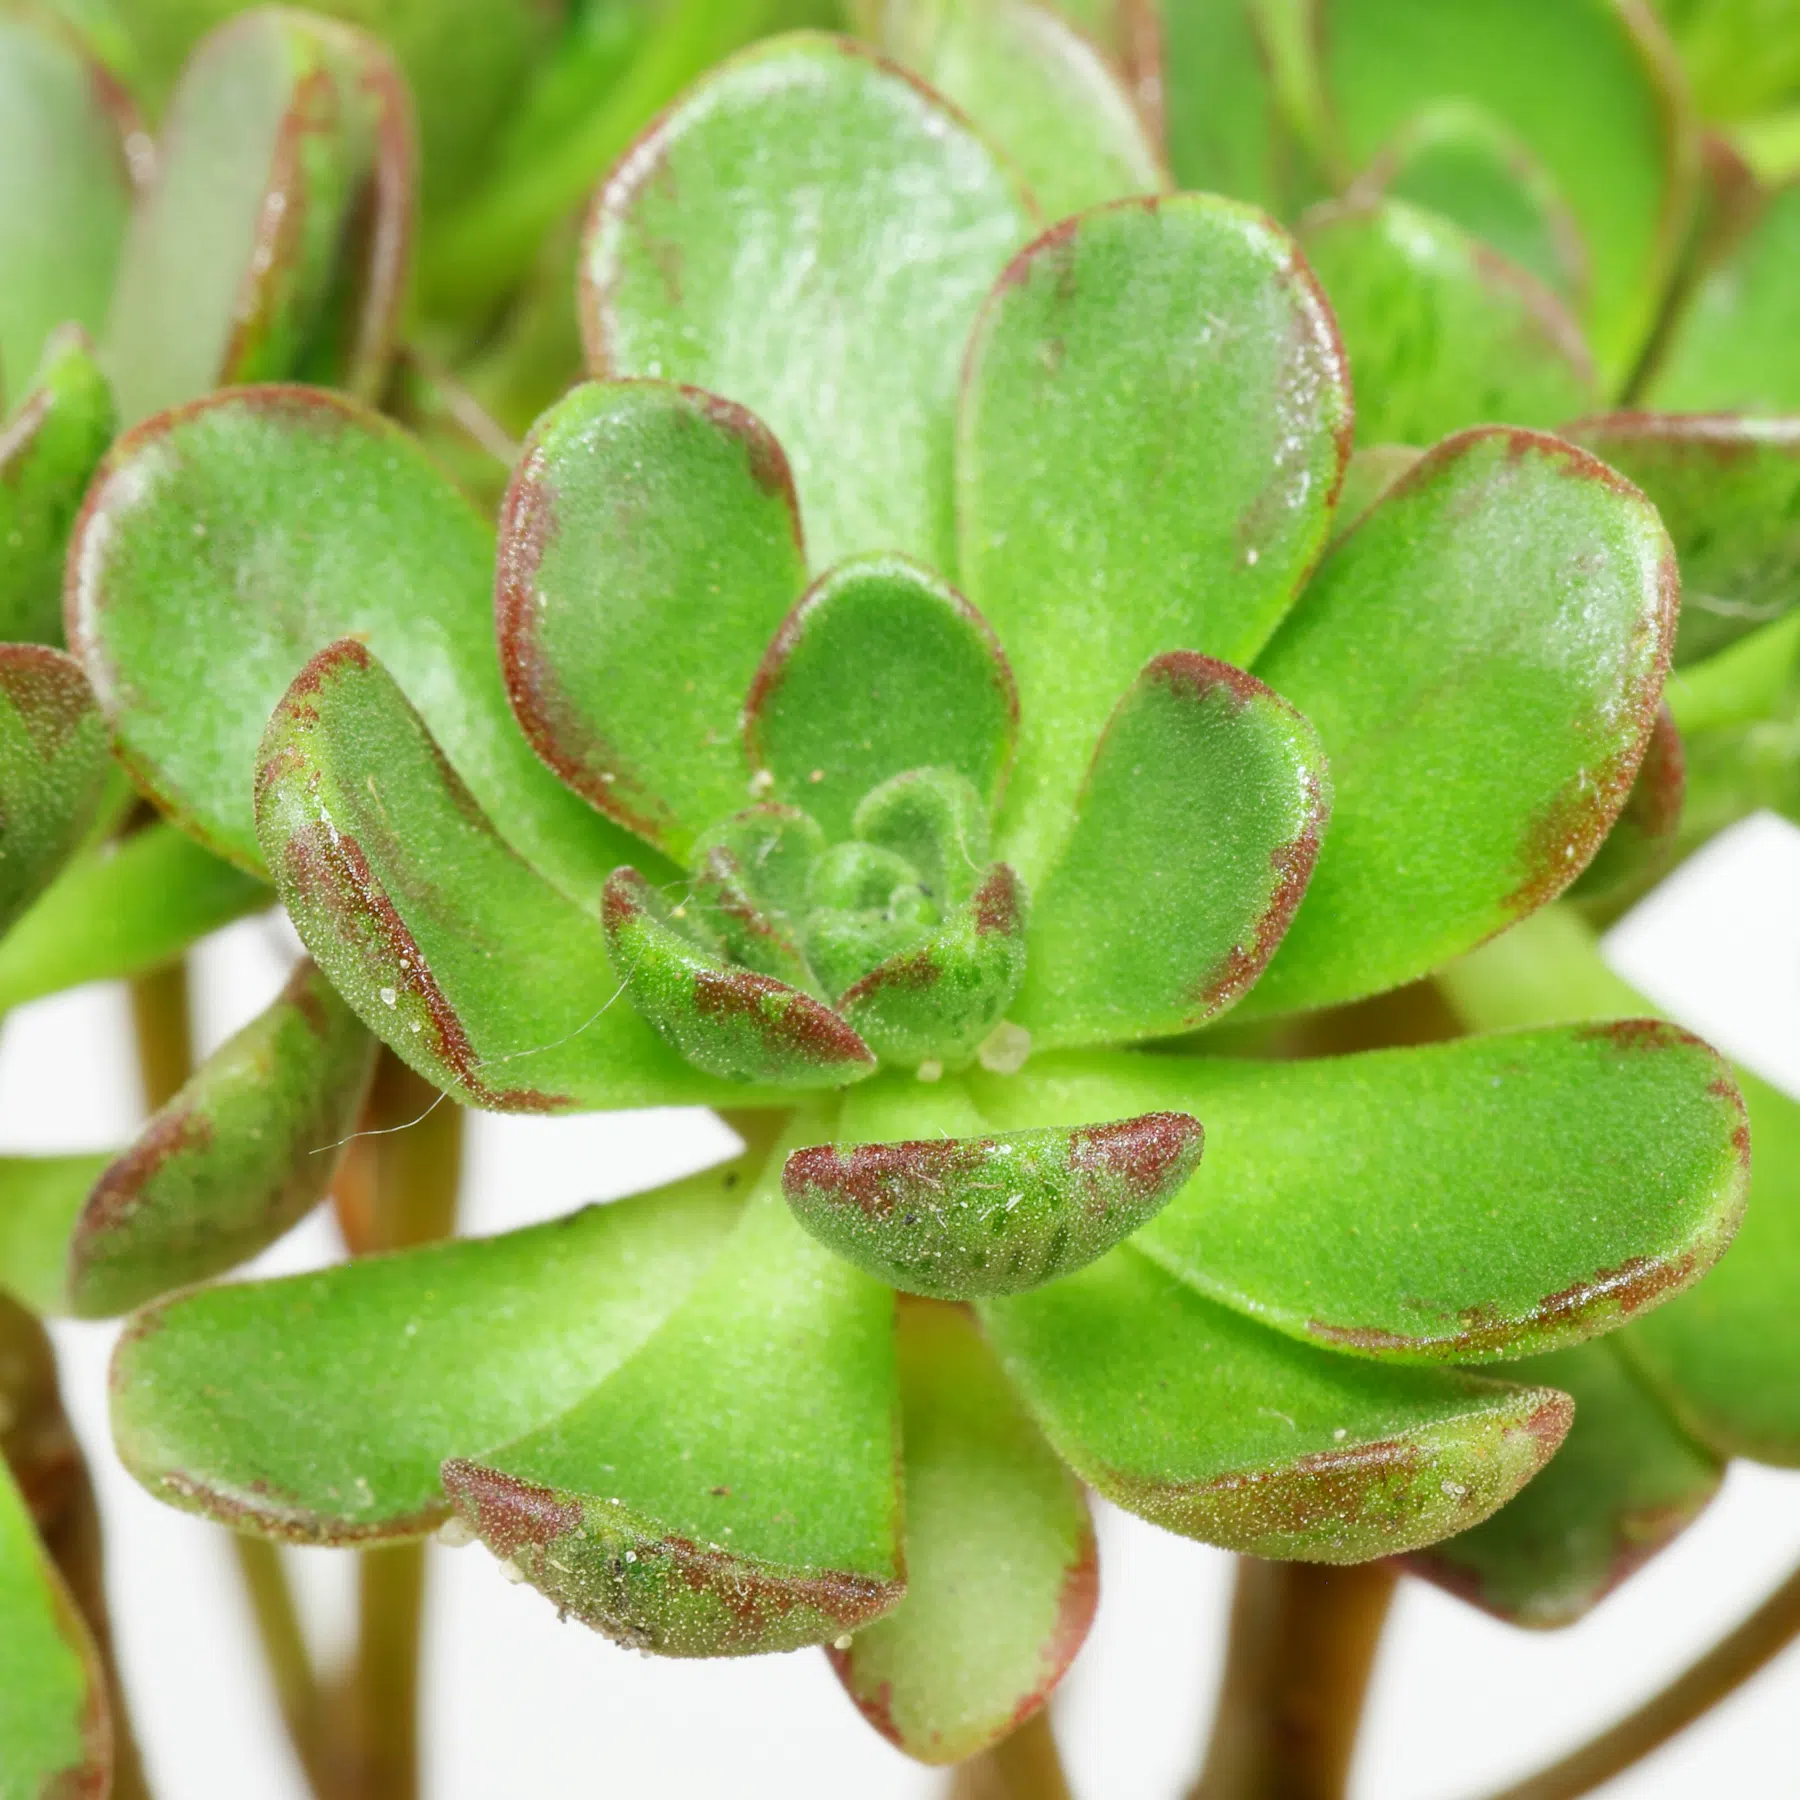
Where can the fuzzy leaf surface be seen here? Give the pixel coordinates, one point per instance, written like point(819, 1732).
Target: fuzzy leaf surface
point(649, 546)
point(1626, 1481)
point(1195, 836)
point(1154, 425)
point(1002, 1575)
point(807, 192)
point(396, 1362)
point(1213, 1427)
point(468, 965)
point(40, 1199)
point(1482, 658)
point(263, 525)
point(1484, 1199)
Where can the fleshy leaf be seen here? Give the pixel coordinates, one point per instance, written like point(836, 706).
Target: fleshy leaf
point(48, 450)
point(881, 668)
point(40, 1199)
point(649, 544)
point(1195, 837)
point(1643, 840)
point(1212, 1426)
point(121, 908)
point(734, 1487)
point(1001, 1571)
point(1490, 1198)
point(1223, 117)
point(55, 1738)
point(53, 767)
point(469, 966)
point(1372, 471)
point(258, 527)
point(271, 241)
point(1626, 1481)
point(247, 1147)
point(68, 137)
point(1441, 330)
point(749, 885)
point(1041, 91)
point(1726, 1358)
point(396, 1362)
point(1590, 87)
point(959, 1218)
point(1482, 658)
point(1728, 490)
point(729, 1021)
point(807, 192)
point(1155, 421)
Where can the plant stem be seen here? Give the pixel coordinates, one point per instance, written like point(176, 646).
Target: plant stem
point(1300, 1651)
point(1700, 1687)
point(1023, 1766)
point(165, 1039)
point(271, 1598)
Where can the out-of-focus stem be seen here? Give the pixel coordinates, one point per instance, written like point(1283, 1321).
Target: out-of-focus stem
point(1024, 1766)
point(165, 1040)
point(271, 1598)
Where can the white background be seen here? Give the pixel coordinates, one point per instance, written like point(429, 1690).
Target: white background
point(518, 1704)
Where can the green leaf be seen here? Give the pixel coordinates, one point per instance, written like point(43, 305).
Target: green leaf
point(1482, 658)
point(1154, 426)
point(319, 1407)
point(1001, 1570)
point(1588, 86)
point(1372, 471)
point(48, 450)
point(66, 131)
point(271, 240)
point(649, 545)
point(881, 668)
point(962, 1217)
point(1643, 841)
point(1726, 1358)
point(1195, 836)
point(1490, 1198)
point(808, 194)
point(123, 907)
point(1731, 348)
point(1728, 490)
point(253, 529)
point(733, 1488)
point(53, 769)
point(1442, 331)
point(1742, 56)
point(1042, 92)
point(729, 1021)
point(55, 1737)
point(1211, 1426)
point(471, 968)
point(1625, 1482)
point(40, 1199)
point(1223, 118)
point(246, 1149)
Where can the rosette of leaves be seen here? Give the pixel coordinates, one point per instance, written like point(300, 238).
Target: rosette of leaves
point(927, 675)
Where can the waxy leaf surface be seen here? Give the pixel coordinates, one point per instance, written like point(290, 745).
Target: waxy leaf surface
point(807, 193)
point(1482, 658)
point(271, 240)
point(53, 767)
point(48, 449)
point(1728, 490)
point(1488, 1198)
point(1001, 1571)
point(649, 546)
point(248, 1146)
point(257, 527)
point(881, 668)
point(1212, 1426)
point(1154, 425)
point(396, 1362)
point(40, 1199)
point(469, 966)
point(733, 1488)
point(1441, 331)
point(1195, 835)
point(1626, 1480)
point(55, 1738)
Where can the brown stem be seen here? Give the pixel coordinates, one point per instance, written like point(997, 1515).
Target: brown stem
point(1300, 1651)
point(1696, 1690)
point(165, 1039)
point(1024, 1766)
point(271, 1598)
